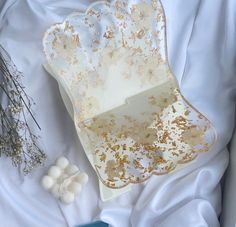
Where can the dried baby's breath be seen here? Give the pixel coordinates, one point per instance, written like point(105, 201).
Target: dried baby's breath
point(17, 141)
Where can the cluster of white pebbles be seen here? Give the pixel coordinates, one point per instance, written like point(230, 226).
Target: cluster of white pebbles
point(64, 180)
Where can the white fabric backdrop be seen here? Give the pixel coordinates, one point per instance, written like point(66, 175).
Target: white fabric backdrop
point(228, 217)
point(201, 53)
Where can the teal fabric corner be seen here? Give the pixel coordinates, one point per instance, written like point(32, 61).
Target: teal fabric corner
point(95, 224)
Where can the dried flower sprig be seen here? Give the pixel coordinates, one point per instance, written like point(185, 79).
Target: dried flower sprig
point(17, 141)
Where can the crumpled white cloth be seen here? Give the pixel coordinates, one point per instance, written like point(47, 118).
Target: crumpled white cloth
point(228, 217)
point(201, 52)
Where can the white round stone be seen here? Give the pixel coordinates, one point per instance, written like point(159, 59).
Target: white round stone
point(62, 162)
point(55, 191)
point(71, 169)
point(54, 172)
point(74, 187)
point(68, 197)
point(47, 182)
point(82, 178)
